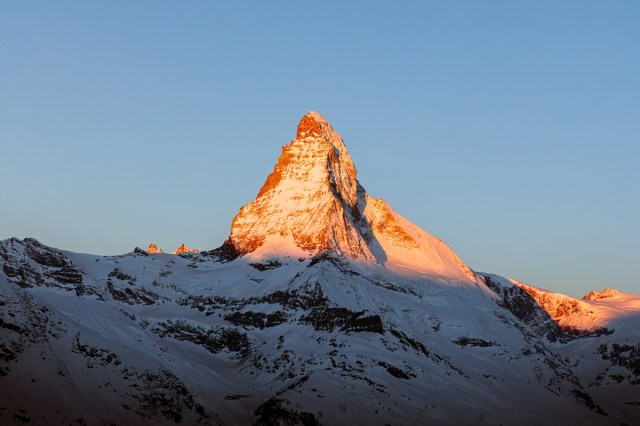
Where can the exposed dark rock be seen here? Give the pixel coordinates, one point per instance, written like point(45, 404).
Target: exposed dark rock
point(213, 339)
point(274, 413)
point(140, 252)
point(24, 275)
point(392, 287)
point(235, 397)
point(306, 297)
point(309, 298)
point(225, 253)
point(40, 265)
point(210, 304)
point(622, 355)
point(322, 257)
point(256, 319)
point(118, 274)
point(566, 334)
point(473, 341)
point(272, 264)
point(586, 399)
point(525, 307)
point(67, 274)
point(395, 371)
point(95, 355)
point(327, 318)
point(44, 255)
point(518, 302)
point(132, 295)
point(408, 341)
point(10, 326)
point(22, 417)
point(6, 356)
point(83, 290)
point(163, 393)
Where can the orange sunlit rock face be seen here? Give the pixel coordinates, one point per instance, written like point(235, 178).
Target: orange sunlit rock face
point(310, 197)
point(607, 293)
point(274, 178)
point(154, 249)
point(309, 127)
point(184, 249)
point(556, 307)
point(385, 224)
point(312, 201)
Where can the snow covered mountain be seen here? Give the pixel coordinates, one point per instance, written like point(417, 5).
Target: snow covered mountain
point(312, 202)
point(324, 306)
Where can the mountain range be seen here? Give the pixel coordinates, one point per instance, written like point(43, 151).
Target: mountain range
point(180, 250)
point(324, 306)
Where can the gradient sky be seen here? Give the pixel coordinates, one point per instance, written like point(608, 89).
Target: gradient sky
point(509, 130)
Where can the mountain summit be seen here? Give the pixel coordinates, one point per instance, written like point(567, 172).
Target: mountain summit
point(154, 249)
point(324, 306)
point(312, 198)
point(313, 202)
point(184, 249)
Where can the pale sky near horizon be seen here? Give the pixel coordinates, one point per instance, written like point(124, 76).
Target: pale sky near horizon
point(508, 129)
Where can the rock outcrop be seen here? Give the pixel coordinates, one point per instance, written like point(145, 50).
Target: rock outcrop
point(184, 249)
point(314, 202)
point(606, 294)
point(154, 249)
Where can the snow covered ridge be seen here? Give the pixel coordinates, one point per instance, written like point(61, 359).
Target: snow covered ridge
point(324, 306)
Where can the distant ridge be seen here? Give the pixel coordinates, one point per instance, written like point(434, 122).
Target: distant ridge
point(180, 250)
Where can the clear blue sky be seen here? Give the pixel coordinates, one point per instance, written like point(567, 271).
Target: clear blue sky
point(508, 129)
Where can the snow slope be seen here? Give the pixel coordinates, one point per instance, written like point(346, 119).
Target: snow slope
point(201, 340)
point(324, 306)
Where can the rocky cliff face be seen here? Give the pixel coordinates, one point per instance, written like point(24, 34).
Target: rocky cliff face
point(180, 250)
point(312, 197)
point(184, 249)
point(154, 249)
point(606, 294)
point(314, 200)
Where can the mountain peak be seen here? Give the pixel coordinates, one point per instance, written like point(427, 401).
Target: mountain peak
point(184, 249)
point(312, 197)
point(154, 249)
point(312, 202)
point(313, 125)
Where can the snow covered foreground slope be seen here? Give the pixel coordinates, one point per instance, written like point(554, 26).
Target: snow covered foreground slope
point(323, 307)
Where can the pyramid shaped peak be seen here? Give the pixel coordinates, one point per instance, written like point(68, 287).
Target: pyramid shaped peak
point(316, 116)
point(312, 202)
point(314, 126)
point(309, 197)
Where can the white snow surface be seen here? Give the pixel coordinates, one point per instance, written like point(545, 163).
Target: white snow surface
point(430, 350)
